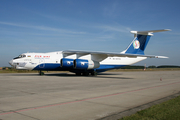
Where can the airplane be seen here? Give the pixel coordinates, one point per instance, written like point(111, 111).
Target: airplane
point(87, 62)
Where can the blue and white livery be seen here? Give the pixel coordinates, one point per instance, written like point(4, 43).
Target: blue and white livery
point(87, 62)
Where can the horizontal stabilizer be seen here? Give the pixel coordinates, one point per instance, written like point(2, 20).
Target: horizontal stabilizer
point(161, 57)
point(149, 32)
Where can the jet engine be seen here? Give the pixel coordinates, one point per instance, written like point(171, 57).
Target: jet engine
point(85, 64)
point(67, 63)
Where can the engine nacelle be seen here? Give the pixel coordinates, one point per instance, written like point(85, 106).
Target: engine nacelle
point(85, 64)
point(67, 63)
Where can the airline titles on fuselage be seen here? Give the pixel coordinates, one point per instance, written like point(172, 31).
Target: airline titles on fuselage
point(42, 56)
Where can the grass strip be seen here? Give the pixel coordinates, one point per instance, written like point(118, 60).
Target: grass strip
point(169, 110)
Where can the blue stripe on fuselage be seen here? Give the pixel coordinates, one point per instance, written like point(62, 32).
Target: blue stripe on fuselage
point(56, 67)
point(48, 66)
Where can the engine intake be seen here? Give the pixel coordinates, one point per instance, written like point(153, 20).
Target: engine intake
point(85, 64)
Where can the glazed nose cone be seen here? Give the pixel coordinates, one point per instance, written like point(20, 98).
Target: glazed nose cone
point(11, 62)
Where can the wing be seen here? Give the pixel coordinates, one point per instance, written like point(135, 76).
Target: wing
point(99, 56)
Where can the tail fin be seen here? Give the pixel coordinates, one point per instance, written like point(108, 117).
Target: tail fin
point(141, 39)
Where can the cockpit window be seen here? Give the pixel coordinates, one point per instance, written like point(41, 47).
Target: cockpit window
point(20, 56)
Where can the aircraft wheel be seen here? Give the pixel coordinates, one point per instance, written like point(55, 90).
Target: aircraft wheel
point(78, 74)
point(85, 73)
point(94, 73)
point(41, 73)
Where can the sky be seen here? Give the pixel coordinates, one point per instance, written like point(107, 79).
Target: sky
point(91, 25)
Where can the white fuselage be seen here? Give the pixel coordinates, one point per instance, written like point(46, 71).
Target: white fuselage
point(51, 61)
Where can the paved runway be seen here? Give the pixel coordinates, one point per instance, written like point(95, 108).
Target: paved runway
point(29, 96)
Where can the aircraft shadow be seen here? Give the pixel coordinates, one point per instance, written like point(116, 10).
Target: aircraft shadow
point(61, 74)
point(100, 75)
point(108, 73)
point(21, 74)
point(113, 77)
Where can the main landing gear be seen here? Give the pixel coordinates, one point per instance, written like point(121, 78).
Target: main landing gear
point(41, 73)
point(86, 73)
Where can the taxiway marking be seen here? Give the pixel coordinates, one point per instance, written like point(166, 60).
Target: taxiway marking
point(28, 109)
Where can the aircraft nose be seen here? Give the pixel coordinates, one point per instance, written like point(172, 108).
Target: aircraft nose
point(11, 62)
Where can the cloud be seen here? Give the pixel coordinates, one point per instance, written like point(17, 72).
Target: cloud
point(88, 25)
point(42, 28)
point(116, 29)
